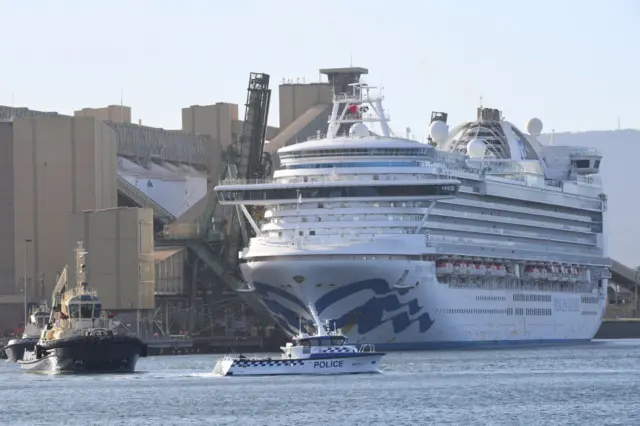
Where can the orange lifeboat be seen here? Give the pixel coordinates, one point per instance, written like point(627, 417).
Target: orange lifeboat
point(573, 274)
point(502, 270)
point(443, 267)
point(492, 269)
point(544, 274)
point(535, 273)
point(528, 271)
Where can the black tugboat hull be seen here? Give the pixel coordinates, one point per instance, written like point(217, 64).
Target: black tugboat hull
point(86, 354)
point(16, 348)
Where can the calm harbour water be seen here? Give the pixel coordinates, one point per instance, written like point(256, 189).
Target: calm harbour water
point(592, 384)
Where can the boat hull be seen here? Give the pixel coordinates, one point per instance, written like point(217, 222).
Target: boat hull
point(85, 354)
point(364, 300)
point(16, 348)
point(357, 364)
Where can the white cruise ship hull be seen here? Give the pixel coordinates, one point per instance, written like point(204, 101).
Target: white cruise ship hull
point(362, 298)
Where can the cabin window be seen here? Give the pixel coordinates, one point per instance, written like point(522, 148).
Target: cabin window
point(337, 341)
point(74, 311)
point(314, 342)
point(96, 310)
point(597, 164)
point(41, 320)
point(86, 311)
point(305, 343)
point(582, 164)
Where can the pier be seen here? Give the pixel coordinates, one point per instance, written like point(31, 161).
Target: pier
point(175, 345)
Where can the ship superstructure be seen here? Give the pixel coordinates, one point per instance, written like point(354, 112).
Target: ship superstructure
point(484, 236)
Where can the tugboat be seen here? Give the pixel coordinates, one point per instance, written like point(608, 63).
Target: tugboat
point(38, 320)
point(79, 338)
point(326, 352)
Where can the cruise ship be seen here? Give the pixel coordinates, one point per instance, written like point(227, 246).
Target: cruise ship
point(484, 236)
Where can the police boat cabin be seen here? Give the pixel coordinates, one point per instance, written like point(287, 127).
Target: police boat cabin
point(324, 353)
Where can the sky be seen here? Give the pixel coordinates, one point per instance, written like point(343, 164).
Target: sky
point(574, 64)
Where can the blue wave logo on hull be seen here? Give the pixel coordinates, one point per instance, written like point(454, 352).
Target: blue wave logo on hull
point(287, 318)
point(367, 316)
point(370, 315)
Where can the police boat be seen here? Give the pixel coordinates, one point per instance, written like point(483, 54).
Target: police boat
point(326, 352)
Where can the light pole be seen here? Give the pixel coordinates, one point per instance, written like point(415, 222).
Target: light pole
point(26, 252)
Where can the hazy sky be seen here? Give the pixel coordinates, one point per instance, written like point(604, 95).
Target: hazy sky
point(575, 64)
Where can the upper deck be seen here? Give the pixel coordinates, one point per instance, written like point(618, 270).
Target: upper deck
point(490, 149)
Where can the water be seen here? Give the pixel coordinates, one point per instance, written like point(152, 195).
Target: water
point(592, 384)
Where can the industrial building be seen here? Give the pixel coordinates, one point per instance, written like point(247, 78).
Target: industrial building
point(161, 252)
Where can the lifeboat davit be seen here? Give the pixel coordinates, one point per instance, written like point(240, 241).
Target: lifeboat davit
point(553, 273)
point(564, 273)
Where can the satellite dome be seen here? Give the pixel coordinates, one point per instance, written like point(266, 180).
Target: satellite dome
point(359, 130)
point(438, 130)
point(534, 126)
point(476, 148)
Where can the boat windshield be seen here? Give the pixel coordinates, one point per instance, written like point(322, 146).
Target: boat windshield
point(74, 311)
point(90, 310)
point(41, 319)
point(85, 310)
point(322, 341)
